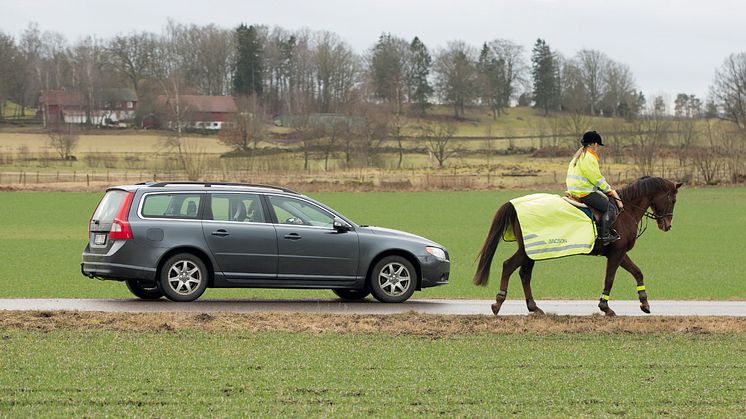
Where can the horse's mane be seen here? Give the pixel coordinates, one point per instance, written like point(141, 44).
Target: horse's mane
point(644, 186)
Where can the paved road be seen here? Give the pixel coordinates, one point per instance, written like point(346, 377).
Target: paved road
point(510, 307)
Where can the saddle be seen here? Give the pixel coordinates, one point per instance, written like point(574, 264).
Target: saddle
point(593, 213)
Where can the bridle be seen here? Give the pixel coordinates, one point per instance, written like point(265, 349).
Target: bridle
point(647, 215)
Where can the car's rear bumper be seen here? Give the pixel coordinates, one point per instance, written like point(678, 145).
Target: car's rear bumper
point(109, 266)
point(434, 271)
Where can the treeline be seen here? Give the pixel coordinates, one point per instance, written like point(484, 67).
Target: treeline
point(304, 71)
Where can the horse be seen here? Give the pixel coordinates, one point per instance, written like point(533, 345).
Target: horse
point(655, 193)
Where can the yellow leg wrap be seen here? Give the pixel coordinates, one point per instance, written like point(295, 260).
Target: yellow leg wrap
point(604, 297)
point(641, 288)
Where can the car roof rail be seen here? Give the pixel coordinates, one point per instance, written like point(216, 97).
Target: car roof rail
point(209, 184)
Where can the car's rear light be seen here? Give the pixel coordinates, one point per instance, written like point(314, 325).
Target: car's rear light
point(120, 227)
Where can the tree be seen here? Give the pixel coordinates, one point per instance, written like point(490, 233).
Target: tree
point(388, 69)
point(729, 88)
point(132, 56)
point(438, 138)
point(513, 67)
point(456, 75)
point(618, 95)
point(336, 69)
point(63, 138)
point(247, 128)
point(591, 66)
point(545, 76)
point(417, 77)
point(249, 65)
point(8, 69)
point(492, 83)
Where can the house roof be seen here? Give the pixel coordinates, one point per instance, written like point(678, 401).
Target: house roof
point(118, 94)
point(195, 103)
point(61, 98)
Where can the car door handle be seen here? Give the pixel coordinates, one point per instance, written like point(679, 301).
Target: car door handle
point(220, 233)
point(293, 236)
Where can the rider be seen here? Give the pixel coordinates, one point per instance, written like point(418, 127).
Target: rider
point(584, 178)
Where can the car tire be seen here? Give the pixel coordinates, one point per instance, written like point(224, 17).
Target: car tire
point(183, 277)
point(352, 295)
point(393, 280)
point(146, 290)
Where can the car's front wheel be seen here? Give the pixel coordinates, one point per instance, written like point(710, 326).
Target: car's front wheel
point(352, 295)
point(183, 277)
point(393, 280)
point(147, 290)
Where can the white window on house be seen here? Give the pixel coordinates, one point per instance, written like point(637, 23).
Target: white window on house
point(130, 105)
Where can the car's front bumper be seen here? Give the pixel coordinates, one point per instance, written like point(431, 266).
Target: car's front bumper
point(434, 271)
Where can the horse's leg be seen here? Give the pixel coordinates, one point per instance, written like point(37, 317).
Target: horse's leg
point(630, 267)
point(612, 264)
point(509, 266)
point(525, 273)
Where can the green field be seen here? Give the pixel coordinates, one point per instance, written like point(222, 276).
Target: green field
point(195, 373)
point(42, 236)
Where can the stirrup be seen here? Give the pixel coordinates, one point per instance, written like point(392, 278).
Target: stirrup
point(611, 238)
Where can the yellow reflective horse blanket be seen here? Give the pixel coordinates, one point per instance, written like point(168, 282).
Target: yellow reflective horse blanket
point(552, 227)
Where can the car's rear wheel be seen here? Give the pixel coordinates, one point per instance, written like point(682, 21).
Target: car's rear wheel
point(147, 290)
point(183, 277)
point(393, 280)
point(352, 295)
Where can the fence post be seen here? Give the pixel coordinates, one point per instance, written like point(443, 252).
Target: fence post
point(87, 180)
point(20, 176)
point(58, 176)
point(74, 175)
point(37, 176)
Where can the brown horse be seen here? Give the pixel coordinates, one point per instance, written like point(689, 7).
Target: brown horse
point(648, 192)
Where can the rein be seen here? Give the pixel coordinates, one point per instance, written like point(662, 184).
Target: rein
point(647, 215)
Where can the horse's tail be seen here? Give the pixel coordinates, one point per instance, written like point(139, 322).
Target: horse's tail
point(504, 218)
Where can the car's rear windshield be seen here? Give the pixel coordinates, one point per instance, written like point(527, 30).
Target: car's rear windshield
point(109, 206)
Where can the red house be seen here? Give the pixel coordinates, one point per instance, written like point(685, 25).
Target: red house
point(54, 104)
point(201, 112)
point(108, 107)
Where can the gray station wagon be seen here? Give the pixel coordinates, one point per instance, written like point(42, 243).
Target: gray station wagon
point(175, 239)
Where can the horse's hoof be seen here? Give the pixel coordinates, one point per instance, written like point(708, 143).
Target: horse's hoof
point(645, 307)
point(496, 308)
point(537, 311)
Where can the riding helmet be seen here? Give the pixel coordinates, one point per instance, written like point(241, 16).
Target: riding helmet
point(591, 137)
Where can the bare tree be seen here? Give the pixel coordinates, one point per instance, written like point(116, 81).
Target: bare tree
point(247, 128)
point(133, 56)
point(592, 66)
point(438, 138)
point(729, 88)
point(63, 139)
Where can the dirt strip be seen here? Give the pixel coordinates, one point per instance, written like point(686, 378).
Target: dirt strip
point(398, 324)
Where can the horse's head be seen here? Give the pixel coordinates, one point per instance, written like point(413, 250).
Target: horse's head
point(662, 205)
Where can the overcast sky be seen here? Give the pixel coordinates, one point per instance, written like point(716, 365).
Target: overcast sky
point(670, 46)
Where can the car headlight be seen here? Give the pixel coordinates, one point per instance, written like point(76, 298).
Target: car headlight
point(437, 252)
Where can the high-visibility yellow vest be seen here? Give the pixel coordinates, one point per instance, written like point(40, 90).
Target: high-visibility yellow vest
point(585, 176)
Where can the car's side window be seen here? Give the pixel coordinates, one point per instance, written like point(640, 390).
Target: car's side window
point(294, 211)
point(167, 205)
point(239, 207)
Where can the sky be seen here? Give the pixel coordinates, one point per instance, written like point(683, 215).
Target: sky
point(670, 46)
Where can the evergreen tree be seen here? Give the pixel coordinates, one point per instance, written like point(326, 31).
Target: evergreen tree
point(544, 71)
point(492, 83)
point(419, 69)
point(388, 69)
point(248, 70)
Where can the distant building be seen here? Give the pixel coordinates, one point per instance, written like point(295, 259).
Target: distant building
point(54, 104)
point(198, 112)
point(110, 107)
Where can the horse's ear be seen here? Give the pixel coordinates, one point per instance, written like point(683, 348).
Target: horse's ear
point(678, 185)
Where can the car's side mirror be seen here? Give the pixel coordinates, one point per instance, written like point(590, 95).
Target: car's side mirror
point(341, 225)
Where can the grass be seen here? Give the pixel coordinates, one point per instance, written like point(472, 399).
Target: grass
point(42, 235)
point(191, 372)
point(13, 110)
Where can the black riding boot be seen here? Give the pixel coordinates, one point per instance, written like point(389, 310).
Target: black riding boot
point(606, 235)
